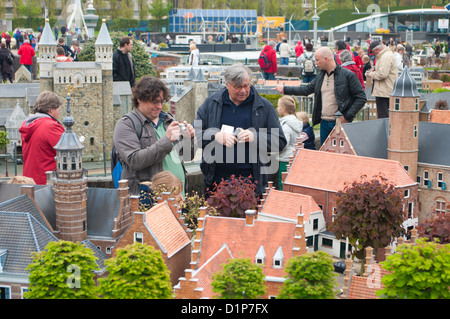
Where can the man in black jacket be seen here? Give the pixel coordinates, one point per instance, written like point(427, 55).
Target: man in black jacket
point(335, 89)
point(123, 63)
point(239, 131)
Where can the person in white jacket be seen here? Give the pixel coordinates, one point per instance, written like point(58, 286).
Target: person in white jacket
point(285, 52)
point(194, 56)
point(292, 128)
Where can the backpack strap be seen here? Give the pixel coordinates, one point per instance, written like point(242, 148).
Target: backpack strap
point(137, 124)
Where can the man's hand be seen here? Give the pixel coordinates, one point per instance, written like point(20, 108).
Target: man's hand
point(280, 89)
point(173, 131)
point(227, 139)
point(245, 136)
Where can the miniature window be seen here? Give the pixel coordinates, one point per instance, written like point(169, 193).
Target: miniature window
point(440, 179)
point(406, 167)
point(406, 193)
point(334, 142)
point(260, 257)
point(397, 104)
point(440, 206)
point(278, 258)
point(417, 104)
point(315, 224)
point(138, 238)
point(425, 178)
point(415, 131)
point(341, 143)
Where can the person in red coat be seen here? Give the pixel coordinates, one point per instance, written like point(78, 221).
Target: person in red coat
point(26, 53)
point(271, 71)
point(298, 49)
point(40, 132)
point(346, 58)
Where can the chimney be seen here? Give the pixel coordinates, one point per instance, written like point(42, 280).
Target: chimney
point(250, 217)
point(27, 190)
point(134, 203)
point(338, 122)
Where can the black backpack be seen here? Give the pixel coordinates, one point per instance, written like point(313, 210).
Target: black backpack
point(10, 58)
point(116, 165)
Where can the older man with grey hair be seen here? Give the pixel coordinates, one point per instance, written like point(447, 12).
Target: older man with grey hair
point(238, 130)
point(398, 55)
point(383, 76)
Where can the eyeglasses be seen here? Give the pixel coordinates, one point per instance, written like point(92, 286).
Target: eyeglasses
point(242, 86)
point(156, 102)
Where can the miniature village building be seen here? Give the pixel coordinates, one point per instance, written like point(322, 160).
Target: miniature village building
point(422, 147)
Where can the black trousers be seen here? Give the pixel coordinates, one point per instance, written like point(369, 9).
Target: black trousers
point(382, 107)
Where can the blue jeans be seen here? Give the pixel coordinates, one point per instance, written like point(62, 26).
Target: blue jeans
point(268, 76)
point(284, 61)
point(28, 66)
point(325, 129)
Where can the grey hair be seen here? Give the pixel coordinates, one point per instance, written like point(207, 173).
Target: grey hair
point(345, 56)
point(271, 43)
point(237, 73)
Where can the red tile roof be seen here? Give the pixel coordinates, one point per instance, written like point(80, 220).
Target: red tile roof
point(288, 205)
point(244, 240)
point(205, 273)
point(329, 171)
point(166, 229)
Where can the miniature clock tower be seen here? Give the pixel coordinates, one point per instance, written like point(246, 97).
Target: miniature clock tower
point(70, 184)
point(403, 131)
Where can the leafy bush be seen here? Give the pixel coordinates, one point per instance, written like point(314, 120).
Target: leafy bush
point(417, 271)
point(64, 270)
point(233, 196)
point(239, 279)
point(310, 276)
point(437, 228)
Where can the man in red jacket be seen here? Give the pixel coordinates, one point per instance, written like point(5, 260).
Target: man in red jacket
point(26, 53)
point(270, 69)
point(40, 132)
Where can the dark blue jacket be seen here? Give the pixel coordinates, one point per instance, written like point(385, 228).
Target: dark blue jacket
point(208, 122)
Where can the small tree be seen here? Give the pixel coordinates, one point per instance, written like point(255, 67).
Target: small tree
point(4, 140)
point(310, 276)
point(141, 58)
point(436, 228)
point(64, 270)
point(239, 279)
point(417, 271)
point(233, 196)
point(369, 213)
point(137, 272)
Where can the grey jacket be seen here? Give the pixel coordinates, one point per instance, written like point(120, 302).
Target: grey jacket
point(208, 122)
point(349, 93)
point(292, 128)
point(142, 159)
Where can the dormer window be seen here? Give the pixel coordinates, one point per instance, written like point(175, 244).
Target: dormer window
point(260, 257)
point(278, 258)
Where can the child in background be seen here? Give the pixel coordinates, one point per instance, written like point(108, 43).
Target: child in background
point(292, 129)
point(308, 136)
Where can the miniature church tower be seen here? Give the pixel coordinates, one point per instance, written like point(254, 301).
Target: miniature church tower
point(403, 134)
point(70, 184)
point(47, 57)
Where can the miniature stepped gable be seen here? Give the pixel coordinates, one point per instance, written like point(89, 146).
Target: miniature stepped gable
point(104, 48)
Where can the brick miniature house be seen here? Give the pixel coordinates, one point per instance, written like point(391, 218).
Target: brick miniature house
point(159, 227)
point(322, 174)
point(222, 238)
point(284, 206)
point(420, 146)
